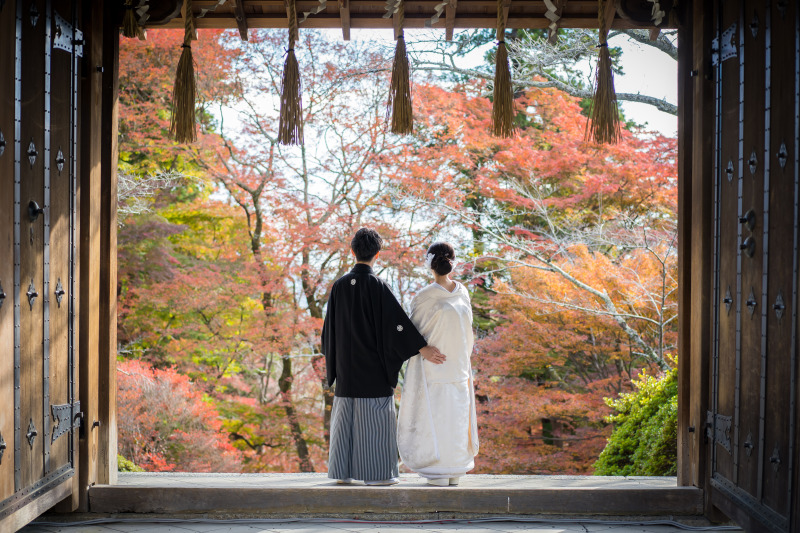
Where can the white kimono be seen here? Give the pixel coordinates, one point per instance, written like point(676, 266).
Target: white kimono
point(437, 434)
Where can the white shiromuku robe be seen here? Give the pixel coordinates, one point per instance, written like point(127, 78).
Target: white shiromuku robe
point(437, 433)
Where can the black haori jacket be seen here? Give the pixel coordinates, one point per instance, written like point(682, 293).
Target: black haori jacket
point(366, 336)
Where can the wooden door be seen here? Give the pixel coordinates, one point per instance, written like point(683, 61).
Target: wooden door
point(751, 422)
point(39, 414)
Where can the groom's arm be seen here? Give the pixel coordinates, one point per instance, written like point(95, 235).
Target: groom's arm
point(329, 339)
point(402, 339)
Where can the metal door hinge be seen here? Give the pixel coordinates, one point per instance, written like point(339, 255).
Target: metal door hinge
point(65, 37)
point(725, 50)
point(65, 417)
point(718, 429)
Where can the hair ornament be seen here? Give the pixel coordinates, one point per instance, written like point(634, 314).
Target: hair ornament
point(429, 260)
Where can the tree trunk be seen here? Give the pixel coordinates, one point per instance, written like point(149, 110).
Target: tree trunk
point(285, 386)
point(318, 361)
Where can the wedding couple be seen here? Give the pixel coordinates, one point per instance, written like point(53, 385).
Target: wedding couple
point(366, 339)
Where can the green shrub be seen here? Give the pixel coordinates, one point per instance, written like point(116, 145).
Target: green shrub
point(124, 465)
point(644, 439)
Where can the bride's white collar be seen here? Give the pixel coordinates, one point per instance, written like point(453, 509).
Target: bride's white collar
point(455, 287)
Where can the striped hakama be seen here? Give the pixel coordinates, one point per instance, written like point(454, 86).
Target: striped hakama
point(363, 439)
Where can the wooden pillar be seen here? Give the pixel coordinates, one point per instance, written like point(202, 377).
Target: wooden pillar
point(107, 386)
point(686, 81)
point(97, 332)
point(696, 369)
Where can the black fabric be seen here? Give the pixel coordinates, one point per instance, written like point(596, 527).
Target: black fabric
point(366, 336)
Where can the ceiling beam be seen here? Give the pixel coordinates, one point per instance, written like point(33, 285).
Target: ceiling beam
point(450, 19)
point(344, 15)
point(241, 18)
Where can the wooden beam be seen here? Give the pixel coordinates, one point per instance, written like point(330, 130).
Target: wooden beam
point(450, 19)
point(241, 18)
point(686, 432)
point(702, 245)
point(344, 16)
point(22, 517)
point(109, 157)
point(90, 201)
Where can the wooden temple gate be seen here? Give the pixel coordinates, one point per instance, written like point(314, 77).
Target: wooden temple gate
point(39, 410)
point(739, 192)
point(51, 214)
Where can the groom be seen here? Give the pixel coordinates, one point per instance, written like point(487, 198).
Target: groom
point(366, 338)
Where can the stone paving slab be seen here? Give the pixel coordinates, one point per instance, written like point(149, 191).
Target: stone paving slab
point(483, 481)
point(308, 495)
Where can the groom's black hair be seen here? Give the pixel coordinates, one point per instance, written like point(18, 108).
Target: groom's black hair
point(365, 244)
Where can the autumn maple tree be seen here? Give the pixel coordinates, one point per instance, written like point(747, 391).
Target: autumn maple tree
point(228, 247)
point(572, 252)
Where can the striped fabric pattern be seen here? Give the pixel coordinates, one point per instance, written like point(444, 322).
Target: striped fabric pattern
point(363, 439)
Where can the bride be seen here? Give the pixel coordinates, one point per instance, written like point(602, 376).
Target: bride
point(437, 433)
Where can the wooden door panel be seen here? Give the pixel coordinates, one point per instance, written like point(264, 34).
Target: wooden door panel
point(782, 200)
point(38, 219)
point(61, 290)
point(756, 250)
point(728, 242)
point(7, 36)
point(751, 40)
point(32, 245)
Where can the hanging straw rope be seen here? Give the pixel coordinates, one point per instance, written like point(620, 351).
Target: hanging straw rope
point(503, 101)
point(603, 126)
point(290, 128)
point(183, 92)
point(130, 26)
point(400, 90)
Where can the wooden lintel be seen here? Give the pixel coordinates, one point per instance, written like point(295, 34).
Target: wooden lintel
point(450, 19)
point(241, 18)
point(344, 15)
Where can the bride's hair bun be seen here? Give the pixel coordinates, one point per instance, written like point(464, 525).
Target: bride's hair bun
point(443, 257)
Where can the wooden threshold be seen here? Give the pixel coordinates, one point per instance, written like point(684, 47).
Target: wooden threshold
point(23, 516)
point(315, 494)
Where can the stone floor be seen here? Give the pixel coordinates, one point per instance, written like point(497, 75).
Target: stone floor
point(294, 481)
point(343, 526)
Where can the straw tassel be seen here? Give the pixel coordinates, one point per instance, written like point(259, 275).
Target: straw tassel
point(183, 92)
point(603, 126)
point(503, 97)
point(290, 128)
point(130, 26)
point(400, 90)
